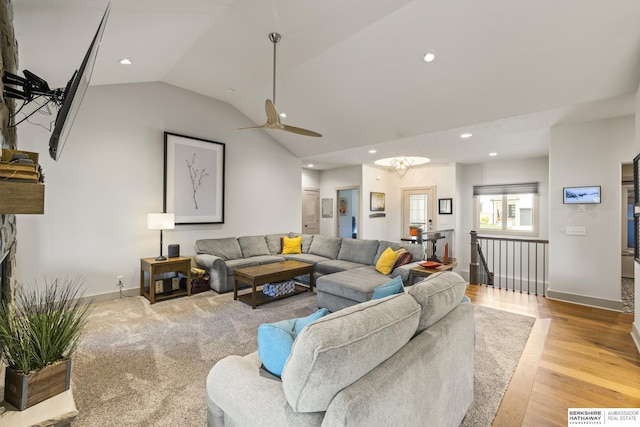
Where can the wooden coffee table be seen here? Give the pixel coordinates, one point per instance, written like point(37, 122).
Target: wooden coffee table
point(268, 273)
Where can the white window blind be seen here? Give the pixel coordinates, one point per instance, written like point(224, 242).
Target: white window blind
point(502, 189)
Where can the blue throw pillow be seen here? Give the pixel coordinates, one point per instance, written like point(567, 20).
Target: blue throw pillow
point(301, 322)
point(392, 287)
point(275, 340)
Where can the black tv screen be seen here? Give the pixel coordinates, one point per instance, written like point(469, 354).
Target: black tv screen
point(74, 92)
point(581, 195)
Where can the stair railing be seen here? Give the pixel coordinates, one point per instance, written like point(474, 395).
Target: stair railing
point(513, 264)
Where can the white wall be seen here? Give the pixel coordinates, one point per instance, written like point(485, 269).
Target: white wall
point(381, 180)
point(490, 173)
point(310, 178)
point(378, 180)
point(110, 176)
point(587, 269)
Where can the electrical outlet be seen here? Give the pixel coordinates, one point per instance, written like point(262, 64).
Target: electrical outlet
point(119, 281)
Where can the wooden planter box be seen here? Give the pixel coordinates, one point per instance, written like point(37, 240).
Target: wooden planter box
point(23, 391)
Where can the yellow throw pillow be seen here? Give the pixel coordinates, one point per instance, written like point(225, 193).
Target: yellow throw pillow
point(387, 260)
point(291, 245)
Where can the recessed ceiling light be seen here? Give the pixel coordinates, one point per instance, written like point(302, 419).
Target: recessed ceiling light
point(310, 165)
point(429, 55)
point(283, 114)
point(230, 90)
point(373, 151)
point(466, 135)
point(493, 154)
point(125, 61)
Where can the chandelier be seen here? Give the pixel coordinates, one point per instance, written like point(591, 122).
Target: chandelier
point(401, 165)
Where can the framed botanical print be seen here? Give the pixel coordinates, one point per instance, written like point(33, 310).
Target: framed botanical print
point(193, 179)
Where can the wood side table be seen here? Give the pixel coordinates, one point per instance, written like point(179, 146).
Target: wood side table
point(170, 265)
point(426, 272)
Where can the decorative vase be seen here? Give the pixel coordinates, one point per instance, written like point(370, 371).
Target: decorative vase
point(413, 231)
point(24, 391)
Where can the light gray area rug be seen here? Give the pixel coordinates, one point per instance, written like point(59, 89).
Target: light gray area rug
point(146, 365)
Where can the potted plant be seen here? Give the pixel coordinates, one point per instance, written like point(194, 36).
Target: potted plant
point(38, 336)
point(413, 229)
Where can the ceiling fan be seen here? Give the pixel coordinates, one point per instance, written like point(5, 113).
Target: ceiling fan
point(273, 118)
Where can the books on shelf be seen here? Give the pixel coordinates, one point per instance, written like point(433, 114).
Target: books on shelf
point(18, 165)
point(11, 173)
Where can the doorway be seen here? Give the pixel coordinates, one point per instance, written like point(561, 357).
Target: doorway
point(348, 200)
point(311, 210)
point(418, 208)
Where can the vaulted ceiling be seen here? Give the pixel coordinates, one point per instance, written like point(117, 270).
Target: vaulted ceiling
point(505, 71)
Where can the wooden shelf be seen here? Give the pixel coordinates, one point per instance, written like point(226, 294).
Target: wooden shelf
point(261, 298)
point(165, 295)
point(21, 197)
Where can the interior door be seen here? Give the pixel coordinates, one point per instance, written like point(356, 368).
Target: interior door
point(311, 211)
point(418, 208)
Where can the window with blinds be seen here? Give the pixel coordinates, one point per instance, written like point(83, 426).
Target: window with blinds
point(506, 208)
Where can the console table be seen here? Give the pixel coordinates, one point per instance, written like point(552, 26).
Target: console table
point(170, 265)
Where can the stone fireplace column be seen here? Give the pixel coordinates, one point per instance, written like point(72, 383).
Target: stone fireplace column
point(8, 62)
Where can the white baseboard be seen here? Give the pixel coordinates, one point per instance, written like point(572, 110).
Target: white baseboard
point(131, 292)
point(607, 304)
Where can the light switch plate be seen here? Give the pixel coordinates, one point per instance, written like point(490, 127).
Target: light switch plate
point(575, 231)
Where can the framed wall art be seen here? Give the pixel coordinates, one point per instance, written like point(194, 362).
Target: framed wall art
point(193, 179)
point(327, 208)
point(377, 202)
point(445, 206)
point(343, 206)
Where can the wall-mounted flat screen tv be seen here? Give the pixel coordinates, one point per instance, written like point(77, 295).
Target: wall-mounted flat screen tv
point(581, 195)
point(74, 92)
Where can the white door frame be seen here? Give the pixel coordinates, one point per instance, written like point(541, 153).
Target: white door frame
point(432, 200)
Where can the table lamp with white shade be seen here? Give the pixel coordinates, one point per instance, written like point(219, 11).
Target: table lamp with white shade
point(161, 221)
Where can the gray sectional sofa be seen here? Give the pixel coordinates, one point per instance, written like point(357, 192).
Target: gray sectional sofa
point(404, 360)
point(344, 271)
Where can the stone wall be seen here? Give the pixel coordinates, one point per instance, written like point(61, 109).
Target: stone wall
point(9, 58)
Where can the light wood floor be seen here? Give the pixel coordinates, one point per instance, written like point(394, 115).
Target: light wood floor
point(576, 357)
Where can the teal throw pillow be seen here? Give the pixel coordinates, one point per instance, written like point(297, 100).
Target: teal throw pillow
point(275, 340)
point(392, 287)
point(301, 322)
